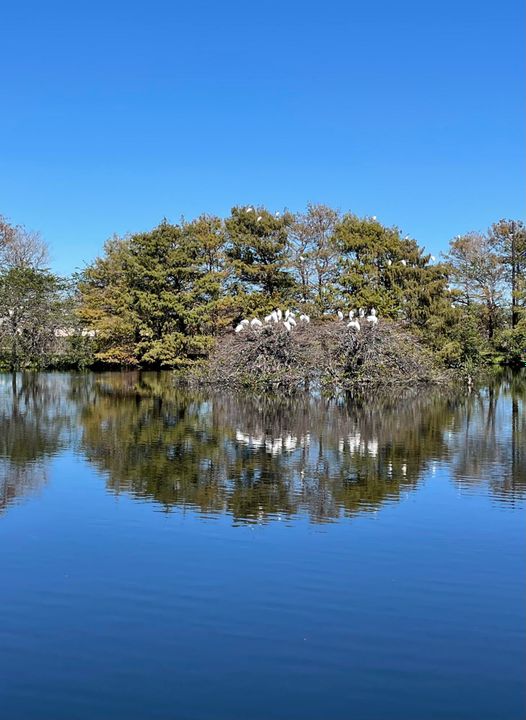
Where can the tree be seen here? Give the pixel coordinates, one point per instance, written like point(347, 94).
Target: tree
point(478, 274)
point(258, 250)
point(207, 234)
point(20, 247)
point(152, 298)
point(378, 268)
point(315, 255)
point(33, 301)
point(509, 240)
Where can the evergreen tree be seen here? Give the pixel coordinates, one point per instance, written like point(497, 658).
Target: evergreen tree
point(378, 268)
point(151, 299)
point(258, 250)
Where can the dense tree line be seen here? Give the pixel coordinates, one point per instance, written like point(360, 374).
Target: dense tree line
point(163, 297)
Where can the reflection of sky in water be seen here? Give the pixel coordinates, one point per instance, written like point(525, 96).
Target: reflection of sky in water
point(212, 557)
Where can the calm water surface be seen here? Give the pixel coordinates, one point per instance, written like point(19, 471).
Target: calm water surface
point(166, 554)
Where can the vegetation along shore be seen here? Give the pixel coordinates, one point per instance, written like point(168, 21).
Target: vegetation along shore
point(268, 300)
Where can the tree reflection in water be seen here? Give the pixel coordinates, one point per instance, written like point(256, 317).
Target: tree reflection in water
point(35, 422)
point(259, 459)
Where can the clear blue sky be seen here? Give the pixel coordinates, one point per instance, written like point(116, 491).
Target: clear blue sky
point(116, 114)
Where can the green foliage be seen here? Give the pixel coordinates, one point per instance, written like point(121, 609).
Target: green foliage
point(258, 250)
point(32, 305)
point(163, 297)
point(156, 298)
point(379, 268)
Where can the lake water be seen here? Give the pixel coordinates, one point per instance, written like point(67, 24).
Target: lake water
point(168, 554)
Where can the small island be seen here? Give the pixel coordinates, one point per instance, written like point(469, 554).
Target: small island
point(271, 301)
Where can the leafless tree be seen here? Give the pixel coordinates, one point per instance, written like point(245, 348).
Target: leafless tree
point(20, 247)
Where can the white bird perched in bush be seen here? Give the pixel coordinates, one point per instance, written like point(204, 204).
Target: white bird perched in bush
point(256, 323)
point(249, 209)
point(240, 327)
point(287, 325)
point(245, 322)
point(291, 320)
point(361, 313)
point(280, 314)
point(268, 318)
point(340, 315)
point(274, 316)
point(389, 263)
point(304, 318)
point(287, 313)
point(259, 218)
point(404, 262)
point(372, 317)
point(353, 324)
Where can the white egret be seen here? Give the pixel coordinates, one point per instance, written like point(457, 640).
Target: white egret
point(404, 262)
point(354, 325)
point(372, 317)
point(291, 321)
point(361, 313)
point(287, 325)
point(340, 315)
point(280, 314)
point(259, 218)
point(256, 323)
point(389, 263)
point(240, 328)
point(245, 323)
point(351, 314)
point(268, 318)
point(304, 318)
point(274, 316)
point(249, 209)
point(287, 313)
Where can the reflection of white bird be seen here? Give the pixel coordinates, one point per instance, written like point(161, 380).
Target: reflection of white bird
point(340, 315)
point(372, 317)
point(304, 318)
point(256, 323)
point(372, 447)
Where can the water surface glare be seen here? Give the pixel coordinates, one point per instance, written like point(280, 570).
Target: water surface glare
point(172, 554)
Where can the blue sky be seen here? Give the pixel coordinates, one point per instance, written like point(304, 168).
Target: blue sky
point(116, 114)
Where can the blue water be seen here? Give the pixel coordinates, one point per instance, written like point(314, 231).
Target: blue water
point(168, 555)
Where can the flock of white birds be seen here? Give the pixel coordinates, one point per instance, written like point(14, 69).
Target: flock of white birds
point(287, 318)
